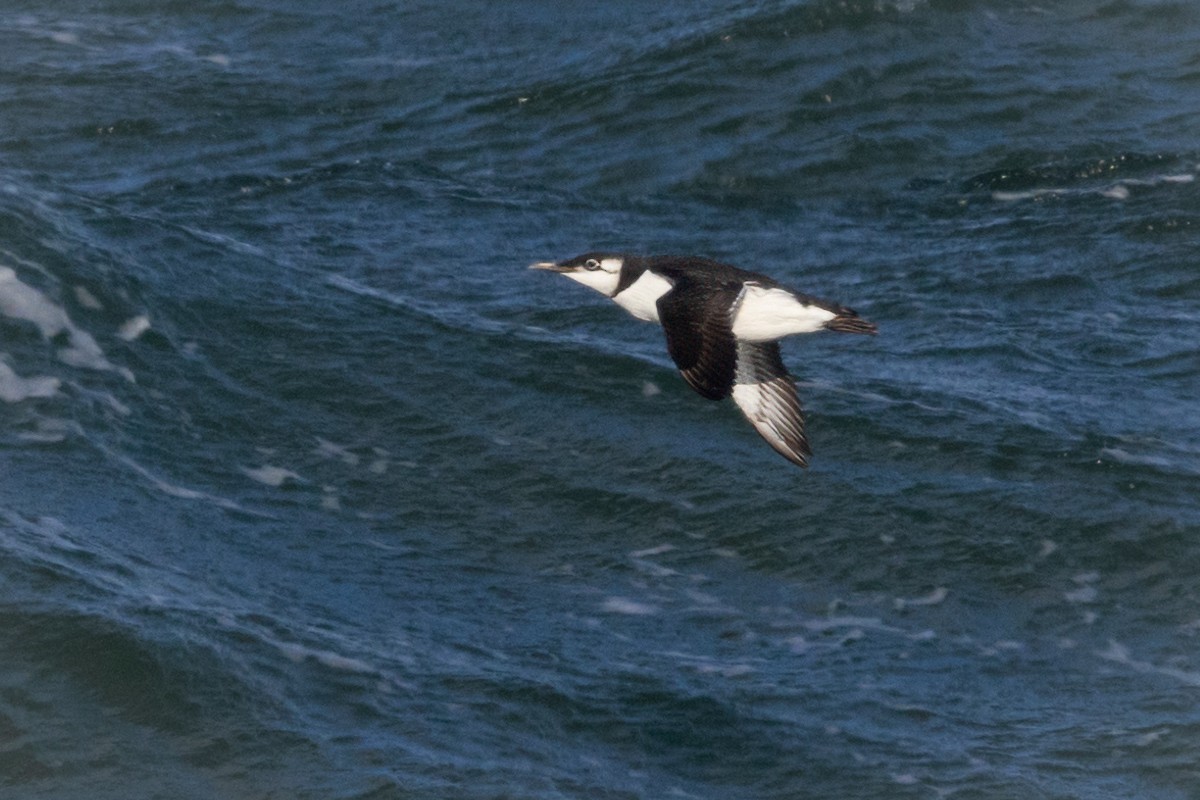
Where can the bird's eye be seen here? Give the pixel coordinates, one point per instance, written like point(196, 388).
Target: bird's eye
point(591, 264)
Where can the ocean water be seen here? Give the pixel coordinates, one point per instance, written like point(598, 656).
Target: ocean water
point(310, 489)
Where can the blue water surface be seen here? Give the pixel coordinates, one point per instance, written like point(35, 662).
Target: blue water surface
point(310, 489)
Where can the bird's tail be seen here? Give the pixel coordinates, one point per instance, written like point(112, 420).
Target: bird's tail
point(848, 321)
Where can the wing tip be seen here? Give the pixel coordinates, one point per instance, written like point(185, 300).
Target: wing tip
point(798, 454)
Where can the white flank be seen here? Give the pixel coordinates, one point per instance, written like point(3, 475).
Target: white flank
point(764, 315)
point(641, 298)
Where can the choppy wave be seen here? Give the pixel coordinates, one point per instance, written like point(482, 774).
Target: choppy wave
point(310, 487)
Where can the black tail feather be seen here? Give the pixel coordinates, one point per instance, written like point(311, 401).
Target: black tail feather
point(848, 321)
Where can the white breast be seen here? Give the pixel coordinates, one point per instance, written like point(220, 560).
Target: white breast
point(764, 315)
point(641, 298)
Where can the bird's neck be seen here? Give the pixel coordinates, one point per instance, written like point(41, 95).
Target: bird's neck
point(631, 270)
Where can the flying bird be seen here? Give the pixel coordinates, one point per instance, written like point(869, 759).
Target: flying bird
point(723, 327)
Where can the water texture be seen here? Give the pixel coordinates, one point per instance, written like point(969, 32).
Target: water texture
point(309, 489)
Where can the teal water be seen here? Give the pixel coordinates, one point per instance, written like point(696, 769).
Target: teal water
point(309, 489)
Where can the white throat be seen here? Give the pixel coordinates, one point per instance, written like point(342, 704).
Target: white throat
point(603, 282)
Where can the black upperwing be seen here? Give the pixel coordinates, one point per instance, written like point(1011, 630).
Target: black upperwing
point(698, 320)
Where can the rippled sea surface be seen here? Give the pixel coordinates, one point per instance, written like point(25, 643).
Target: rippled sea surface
point(310, 489)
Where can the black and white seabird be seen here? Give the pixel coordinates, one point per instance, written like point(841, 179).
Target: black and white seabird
point(723, 327)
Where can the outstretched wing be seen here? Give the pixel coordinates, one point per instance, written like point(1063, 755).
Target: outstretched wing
point(766, 394)
point(700, 339)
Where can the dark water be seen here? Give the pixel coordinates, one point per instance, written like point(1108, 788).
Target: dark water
point(309, 489)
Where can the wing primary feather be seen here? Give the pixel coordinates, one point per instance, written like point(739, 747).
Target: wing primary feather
point(766, 395)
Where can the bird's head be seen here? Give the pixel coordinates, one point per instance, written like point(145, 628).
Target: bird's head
point(600, 271)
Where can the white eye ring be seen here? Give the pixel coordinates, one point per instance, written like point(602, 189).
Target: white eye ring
point(592, 264)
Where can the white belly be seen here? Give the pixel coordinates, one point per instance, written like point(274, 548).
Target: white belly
point(764, 315)
point(641, 298)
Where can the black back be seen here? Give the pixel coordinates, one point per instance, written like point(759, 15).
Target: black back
point(702, 271)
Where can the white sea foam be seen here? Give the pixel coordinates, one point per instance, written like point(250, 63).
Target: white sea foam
point(133, 328)
point(1150, 737)
point(1086, 591)
point(87, 299)
point(227, 242)
point(1119, 653)
point(826, 624)
point(1012, 197)
point(19, 300)
point(171, 489)
point(329, 499)
point(1003, 646)
point(706, 665)
point(652, 551)
point(932, 599)
point(651, 568)
point(623, 605)
point(14, 388)
point(271, 475)
point(48, 431)
point(1126, 457)
point(1114, 191)
point(300, 653)
point(328, 449)
point(710, 603)
point(1084, 594)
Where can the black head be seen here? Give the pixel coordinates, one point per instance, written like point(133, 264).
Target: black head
point(599, 270)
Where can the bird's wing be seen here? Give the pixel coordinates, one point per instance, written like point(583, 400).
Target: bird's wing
point(766, 394)
point(699, 328)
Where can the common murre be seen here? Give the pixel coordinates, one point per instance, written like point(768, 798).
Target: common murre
point(723, 326)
